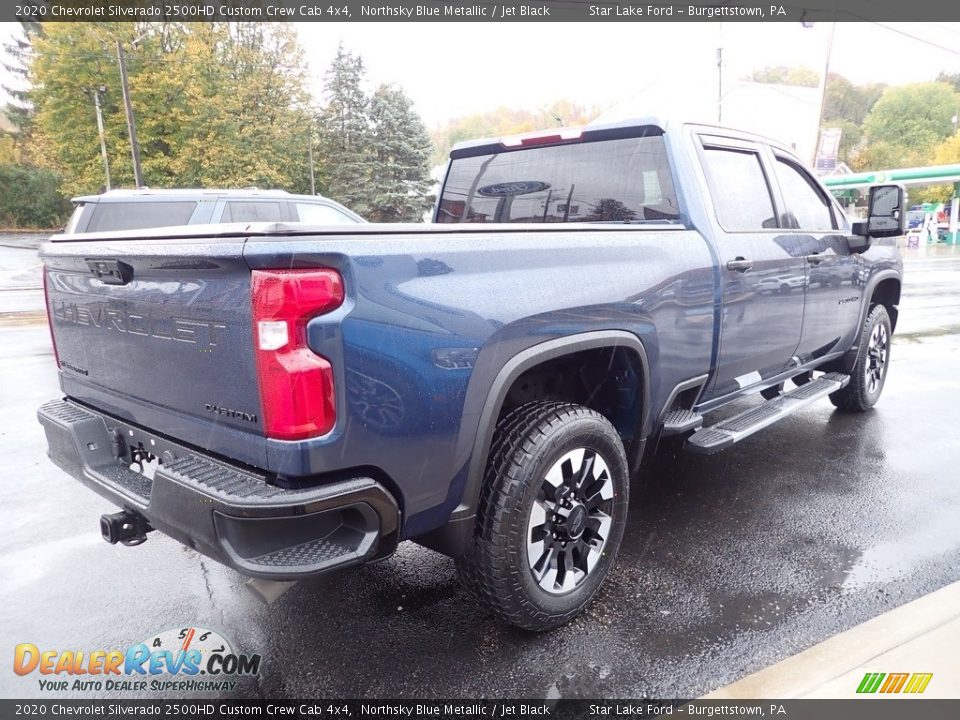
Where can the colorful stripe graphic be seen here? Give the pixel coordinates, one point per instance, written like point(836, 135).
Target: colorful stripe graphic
point(914, 683)
point(918, 682)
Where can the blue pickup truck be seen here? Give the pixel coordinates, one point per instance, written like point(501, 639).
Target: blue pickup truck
point(289, 398)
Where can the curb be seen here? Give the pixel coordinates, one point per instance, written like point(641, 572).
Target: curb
point(921, 636)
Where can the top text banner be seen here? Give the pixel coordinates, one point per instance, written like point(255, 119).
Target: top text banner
point(467, 11)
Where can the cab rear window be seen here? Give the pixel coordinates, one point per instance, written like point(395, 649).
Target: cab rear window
point(613, 181)
point(139, 215)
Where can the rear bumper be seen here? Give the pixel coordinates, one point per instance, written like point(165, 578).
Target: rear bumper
point(226, 512)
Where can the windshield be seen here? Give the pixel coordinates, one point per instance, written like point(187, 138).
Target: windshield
point(624, 180)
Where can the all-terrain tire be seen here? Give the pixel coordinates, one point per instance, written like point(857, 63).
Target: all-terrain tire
point(870, 370)
point(531, 442)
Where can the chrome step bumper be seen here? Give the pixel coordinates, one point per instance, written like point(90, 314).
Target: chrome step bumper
point(225, 511)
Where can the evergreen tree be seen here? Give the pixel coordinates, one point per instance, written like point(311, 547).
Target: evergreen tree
point(344, 135)
point(19, 112)
point(401, 183)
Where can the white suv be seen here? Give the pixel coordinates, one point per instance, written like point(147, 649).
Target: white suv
point(138, 209)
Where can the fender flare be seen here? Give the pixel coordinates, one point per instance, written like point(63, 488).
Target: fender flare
point(516, 366)
point(846, 362)
point(868, 293)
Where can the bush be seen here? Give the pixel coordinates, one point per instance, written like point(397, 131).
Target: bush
point(31, 198)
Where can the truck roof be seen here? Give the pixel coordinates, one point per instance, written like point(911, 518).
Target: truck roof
point(655, 124)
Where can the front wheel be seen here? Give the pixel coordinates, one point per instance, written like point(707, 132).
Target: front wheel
point(551, 514)
point(870, 371)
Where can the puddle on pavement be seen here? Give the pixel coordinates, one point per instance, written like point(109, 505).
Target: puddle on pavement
point(889, 560)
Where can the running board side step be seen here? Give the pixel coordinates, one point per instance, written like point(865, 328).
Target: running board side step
point(719, 437)
point(678, 422)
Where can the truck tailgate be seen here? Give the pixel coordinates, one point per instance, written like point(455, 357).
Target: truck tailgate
point(158, 332)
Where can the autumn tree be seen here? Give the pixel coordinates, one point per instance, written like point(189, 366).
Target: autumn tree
point(610, 209)
point(70, 63)
point(946, 153)
point(507, 121)
point(906, 124)
point(845, 101)
point(217, 104)
point(781, 75)
point(242, 109)
point(845, 106)
point(951, 78)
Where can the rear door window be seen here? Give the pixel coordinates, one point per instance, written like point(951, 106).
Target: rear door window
point(252, 211)
point(741, 195)
point(109, 216)
point(617, 181)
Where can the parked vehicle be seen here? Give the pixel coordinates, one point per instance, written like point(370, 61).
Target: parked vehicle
point(145, 208)
point(782, 283)
point(915, 216)
point(291, 399)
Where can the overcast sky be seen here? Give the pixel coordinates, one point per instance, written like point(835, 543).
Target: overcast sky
point(453, 69)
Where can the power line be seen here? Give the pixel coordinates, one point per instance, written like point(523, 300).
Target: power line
point(134, 59)
point(945, 28)
point(917, 38)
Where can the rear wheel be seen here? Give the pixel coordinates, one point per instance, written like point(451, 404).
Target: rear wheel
point(870, 371)
point(551, 514)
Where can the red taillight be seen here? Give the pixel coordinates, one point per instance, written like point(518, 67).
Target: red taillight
point(296, 385)
point(46, 301)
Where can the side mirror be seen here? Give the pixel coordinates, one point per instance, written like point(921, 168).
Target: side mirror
point(885, 216)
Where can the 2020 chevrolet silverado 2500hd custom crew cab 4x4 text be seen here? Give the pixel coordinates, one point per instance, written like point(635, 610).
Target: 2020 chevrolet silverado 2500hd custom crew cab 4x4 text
point(290, 399)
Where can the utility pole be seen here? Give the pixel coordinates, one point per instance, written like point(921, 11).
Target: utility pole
point(823, 87)
point(720, 78)
point(566, 211)
point(313, 183)
point(103, 144)
point(131, 123)
point(719, 85)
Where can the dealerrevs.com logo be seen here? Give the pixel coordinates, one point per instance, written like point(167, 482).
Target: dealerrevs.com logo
point(177, 660)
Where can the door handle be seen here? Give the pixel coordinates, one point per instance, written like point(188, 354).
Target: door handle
point(740, 264)
point(815, 259)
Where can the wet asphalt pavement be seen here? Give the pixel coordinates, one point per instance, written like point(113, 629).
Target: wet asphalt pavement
point(729, 563)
